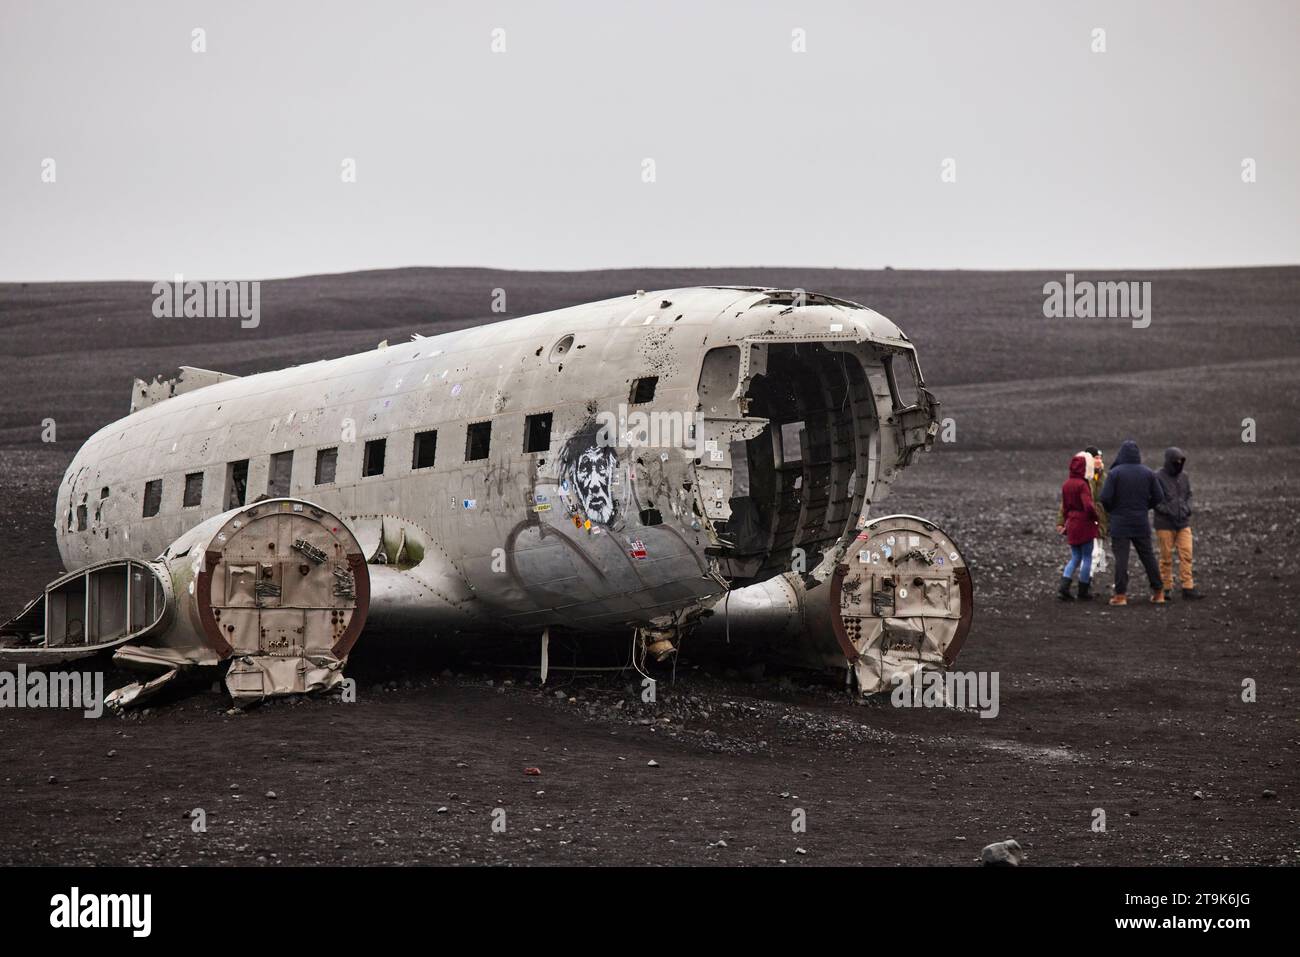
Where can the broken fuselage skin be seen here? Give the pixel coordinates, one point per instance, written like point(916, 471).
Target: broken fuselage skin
point(595, 468)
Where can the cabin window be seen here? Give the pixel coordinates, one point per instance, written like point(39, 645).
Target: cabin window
point(193, 490)
point(478, 440)
point(81, 517)
point(236, 483)
point(426, 445)
point(372, 462)
point(280, 475)
point(643, 390)
point(327, 461)
point(904, 389)
point(537, 432)
point(152, 498)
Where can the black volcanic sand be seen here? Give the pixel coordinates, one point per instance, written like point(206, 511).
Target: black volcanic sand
point(1136, 711)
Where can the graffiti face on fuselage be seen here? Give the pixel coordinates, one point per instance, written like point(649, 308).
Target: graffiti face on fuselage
point(592, 476)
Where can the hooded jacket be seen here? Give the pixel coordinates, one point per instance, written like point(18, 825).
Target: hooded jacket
point(1175, 512)
point(1131, 490)
point(1076, 504)
point(1095, 474)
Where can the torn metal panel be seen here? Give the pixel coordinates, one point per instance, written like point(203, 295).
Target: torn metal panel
point(155, 658)
point(158, 389)
point(138, 693)
point(253, 678)
point(369, 532)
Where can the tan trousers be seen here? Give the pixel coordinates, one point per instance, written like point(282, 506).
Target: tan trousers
point(1167, 541)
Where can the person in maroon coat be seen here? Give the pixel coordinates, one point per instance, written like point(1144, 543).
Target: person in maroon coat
point(1079, 527)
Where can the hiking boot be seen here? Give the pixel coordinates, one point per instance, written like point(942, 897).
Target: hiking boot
point(1191, 594)
point(1158, 597)
point(1118, 600)
point(1085, 591)
point(1063, 592)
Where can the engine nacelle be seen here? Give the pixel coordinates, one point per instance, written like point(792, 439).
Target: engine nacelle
point(278, 588)
point(900, 601)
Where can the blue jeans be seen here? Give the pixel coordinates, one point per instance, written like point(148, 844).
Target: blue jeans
point(1080, 558)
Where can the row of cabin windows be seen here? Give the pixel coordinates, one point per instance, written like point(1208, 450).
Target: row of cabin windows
point(478, 442)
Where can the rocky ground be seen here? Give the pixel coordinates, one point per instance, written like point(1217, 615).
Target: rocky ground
point(1136, 712)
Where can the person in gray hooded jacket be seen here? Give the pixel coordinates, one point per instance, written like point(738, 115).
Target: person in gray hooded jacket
point(1173, 522)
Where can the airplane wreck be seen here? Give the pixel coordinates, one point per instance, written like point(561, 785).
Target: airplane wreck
point(705, 460)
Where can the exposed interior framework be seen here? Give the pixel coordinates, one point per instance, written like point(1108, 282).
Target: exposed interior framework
point(93, 608)
point(795, 485)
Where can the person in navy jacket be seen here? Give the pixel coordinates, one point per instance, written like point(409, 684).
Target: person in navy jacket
point(1130, 492)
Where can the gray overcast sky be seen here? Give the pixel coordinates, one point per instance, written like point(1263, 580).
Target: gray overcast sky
point(227, 164)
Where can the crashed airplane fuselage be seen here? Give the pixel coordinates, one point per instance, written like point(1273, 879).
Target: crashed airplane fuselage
point(599, 468)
